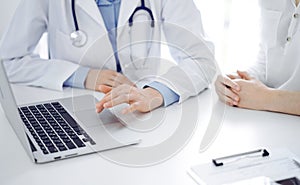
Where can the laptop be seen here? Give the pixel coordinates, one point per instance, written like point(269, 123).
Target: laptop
point(62, 128)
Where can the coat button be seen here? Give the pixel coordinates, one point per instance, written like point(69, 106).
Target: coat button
point(289, 39)
point(296, 15)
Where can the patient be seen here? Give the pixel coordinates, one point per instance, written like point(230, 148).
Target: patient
point(273, 83)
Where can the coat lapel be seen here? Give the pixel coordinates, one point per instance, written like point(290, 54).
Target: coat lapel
point(91, 9)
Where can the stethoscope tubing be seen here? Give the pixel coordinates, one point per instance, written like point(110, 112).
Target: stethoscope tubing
point(130, 21)
point(74, 16)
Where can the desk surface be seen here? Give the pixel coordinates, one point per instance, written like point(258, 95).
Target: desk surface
point(241, 130)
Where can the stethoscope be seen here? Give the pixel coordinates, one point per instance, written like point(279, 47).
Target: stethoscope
point(79, 38)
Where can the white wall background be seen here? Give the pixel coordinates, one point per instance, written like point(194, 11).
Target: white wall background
point(7, 9)
point(233, 26)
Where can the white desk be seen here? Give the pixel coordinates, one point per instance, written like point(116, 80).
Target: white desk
point(242, 130)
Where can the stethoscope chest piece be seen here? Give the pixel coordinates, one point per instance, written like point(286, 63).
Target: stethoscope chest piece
point(78, 38)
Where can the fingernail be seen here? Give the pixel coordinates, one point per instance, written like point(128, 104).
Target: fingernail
point(236, 98)
point(235, 103)
point(106, 105)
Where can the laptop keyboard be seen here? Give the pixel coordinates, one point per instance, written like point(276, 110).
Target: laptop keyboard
point(53, 128)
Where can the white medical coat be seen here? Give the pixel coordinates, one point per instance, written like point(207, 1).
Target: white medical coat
point(179, 20)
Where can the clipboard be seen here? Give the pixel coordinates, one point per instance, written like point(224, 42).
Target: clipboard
point(256, 153)
point(277, 166)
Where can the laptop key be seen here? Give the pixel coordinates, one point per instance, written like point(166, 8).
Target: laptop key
point(47, 141)
point(39, 142)
point(74, 137)
point(67, 141)
point(40, 131)
point(45, 152)
point(47, 105)
point(52, 149)
point(45, 138)
point(35, 136)
point(32, 107)
point(41, 134)
point(58, 143)
point(62, 148)
point(89, 139)
point(39, 106)
point(69, 119)
point(55, 104)
point(92, 142)
point(70, 145)
point(78, 142)
point(24, 108)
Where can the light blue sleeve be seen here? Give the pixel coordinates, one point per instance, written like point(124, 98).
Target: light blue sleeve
point(169, 95)
point(77, 79)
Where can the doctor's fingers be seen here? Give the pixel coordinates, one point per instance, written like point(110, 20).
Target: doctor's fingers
point(122, 79)
point(124, 98)
point(137, 102)
point(131, 108)
point(105, 77)
point(100, 105)
point(104, 88)
point(121, 90)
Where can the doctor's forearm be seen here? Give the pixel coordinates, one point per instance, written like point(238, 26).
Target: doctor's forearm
point(284, 102)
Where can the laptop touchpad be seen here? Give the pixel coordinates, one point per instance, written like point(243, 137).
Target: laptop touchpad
point(90, 118)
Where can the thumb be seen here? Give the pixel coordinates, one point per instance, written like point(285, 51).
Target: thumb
point(244, 75)
point(104, 89)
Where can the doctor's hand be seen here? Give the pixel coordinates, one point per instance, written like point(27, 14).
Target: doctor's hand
point(105, 77)
point(227, 89)
point(142, 100)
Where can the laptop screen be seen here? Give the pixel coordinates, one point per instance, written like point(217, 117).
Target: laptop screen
point(10, 109)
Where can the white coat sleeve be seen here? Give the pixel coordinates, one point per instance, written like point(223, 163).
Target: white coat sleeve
point(17, 45)
point(185, 36)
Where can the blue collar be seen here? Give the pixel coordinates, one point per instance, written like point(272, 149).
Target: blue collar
point(106, 2)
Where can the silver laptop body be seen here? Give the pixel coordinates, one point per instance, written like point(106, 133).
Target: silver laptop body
point(76, 130)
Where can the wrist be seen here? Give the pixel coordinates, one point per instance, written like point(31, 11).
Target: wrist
point(155, 97)
point(90, 80)
point(270, 95)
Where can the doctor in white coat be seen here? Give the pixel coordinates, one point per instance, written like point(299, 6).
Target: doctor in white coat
point(273, 83)
point(113, 55)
